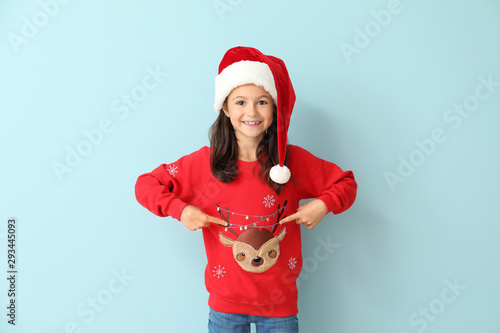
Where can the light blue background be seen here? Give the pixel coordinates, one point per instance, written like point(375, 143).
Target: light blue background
point(398, 249)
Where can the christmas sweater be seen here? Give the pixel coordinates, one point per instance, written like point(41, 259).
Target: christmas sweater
point(254, 263)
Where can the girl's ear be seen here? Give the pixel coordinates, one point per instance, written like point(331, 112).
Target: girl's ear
point(224, 108)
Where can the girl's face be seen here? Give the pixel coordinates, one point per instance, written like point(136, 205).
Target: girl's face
point(250, 109)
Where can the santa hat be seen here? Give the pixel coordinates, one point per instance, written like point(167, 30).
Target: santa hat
point(246, 65)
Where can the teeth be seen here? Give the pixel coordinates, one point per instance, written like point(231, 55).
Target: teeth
point(251, 122)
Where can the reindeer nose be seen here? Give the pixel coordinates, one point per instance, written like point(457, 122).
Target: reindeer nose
point(257, 261)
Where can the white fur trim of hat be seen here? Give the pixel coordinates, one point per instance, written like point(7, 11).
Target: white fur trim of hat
point(239, 74)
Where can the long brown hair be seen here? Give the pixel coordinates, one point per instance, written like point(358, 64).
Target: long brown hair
point(224, 151)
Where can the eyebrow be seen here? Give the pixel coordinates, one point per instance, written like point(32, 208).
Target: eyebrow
point(262, 96)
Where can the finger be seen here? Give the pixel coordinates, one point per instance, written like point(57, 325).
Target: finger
point(307, 224)
point(201, 225)
point(215, 220)
point(290, 218)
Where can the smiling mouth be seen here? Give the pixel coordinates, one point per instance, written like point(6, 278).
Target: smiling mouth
point(251, 122)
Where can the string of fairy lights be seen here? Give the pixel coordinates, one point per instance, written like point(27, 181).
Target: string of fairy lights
point(253, 223)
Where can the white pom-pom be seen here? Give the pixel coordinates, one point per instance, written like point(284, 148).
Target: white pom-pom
point(280, 174)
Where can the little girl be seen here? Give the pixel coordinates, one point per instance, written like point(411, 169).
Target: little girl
point(243, 190)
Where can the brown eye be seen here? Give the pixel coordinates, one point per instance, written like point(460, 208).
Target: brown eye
point(240, 257)
point(272, 254)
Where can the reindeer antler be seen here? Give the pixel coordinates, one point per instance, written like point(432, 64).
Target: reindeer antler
point(226, 218)
point(280, 213)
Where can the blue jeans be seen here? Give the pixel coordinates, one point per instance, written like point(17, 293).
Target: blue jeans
point(220, 322)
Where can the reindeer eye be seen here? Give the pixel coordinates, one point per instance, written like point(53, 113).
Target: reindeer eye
point(240, 257)
point(272, 254)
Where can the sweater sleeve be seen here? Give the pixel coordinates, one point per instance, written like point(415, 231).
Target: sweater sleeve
point(169, 188)
point(317, 178)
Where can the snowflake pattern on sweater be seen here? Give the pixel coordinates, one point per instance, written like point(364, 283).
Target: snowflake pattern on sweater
point(292, 262)
point(269, 201)
point(234, 280)
point(219, 271)
point(172, 169)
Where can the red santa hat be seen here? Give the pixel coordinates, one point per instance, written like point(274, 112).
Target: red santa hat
point(246, 65)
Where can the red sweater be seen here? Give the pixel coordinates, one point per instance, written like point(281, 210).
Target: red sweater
point(252, 265)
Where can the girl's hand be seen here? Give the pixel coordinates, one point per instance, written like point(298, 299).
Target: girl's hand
point(308, 214)
point(193, 218)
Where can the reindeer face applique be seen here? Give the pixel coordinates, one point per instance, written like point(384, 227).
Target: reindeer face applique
point(255, 250)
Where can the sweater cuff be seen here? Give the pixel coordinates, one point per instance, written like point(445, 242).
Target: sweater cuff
point(175, 208)
point(330, 204)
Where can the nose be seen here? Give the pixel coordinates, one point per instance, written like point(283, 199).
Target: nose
point(252, 110)
point(257, 261)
